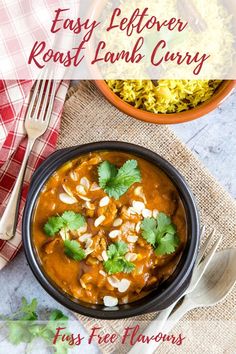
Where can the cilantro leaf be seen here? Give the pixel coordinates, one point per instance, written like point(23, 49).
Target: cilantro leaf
point(148, 233)
point(73, 250)
point(106, 172)
point(69, 220)
point(113, 266)
point(19, 332)
point(57, 315)
point(122, 248)
point(168, 245)
point(129, 171)
point(116, 262)
point(61, 347)
point(72, 220)
point(57, 319)
point(53, 225)
point(116, 182)
point(111, 252)
point(115, 190)
point(24, 328)
point(163, 221)
point(160, 233)
point(128, 267)
point(29, 310)
point(119, 248)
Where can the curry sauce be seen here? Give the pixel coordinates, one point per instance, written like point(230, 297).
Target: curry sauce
point(108, 221)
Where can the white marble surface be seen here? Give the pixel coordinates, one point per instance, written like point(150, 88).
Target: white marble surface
point(212, 138)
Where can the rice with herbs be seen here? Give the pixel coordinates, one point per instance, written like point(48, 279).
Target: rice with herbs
point(168, 96)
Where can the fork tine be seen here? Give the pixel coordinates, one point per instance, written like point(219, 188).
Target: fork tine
point(45, 101)
point(37, 108)
point(51, 102)
point(200, 269)
point(46, 96)
point(204, 247)
point(32, 101)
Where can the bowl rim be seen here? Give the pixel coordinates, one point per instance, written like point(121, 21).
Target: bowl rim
point(42, 174)
point(222, 93)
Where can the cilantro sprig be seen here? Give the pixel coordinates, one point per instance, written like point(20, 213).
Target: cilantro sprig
point(73, 250)
point(116, 182)
point(69, 220)
point(116, 262)
point(161, 234)
point(23, 328)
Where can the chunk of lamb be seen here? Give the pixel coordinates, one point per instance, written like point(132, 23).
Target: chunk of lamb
point(99, 244)
point(109, 211)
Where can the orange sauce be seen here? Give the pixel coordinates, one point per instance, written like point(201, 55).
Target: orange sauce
point(85, 280)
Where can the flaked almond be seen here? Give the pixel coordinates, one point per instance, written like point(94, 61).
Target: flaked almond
point(113, 281)
point(74, 176)
point(104, 256)
point(89, 205)
point(82, 229)
point(128, 226)
point(110, 301)
point(88, 251)
point(64, 234)
point(88, 243)
point(94, 187)
point(155, 213)
point(131, 211)
point(131, 256)
point(85, 237)
point(117, 222)
point(138, 206)
point(138, 226)
point(82, 283)
point(67, 199)
point(94, 160)
point(146, 213)
point(125, 299)
point(67, 190)
point(114, 233)
point(81, 189)
point(104, 201)
point(84, 198)
point(85, 183)
point(132, 238)
point(131, 247)
point(124, 285)
point(99, 220)
point(139, 193)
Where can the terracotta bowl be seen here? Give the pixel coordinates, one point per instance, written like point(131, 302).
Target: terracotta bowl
point(223, 91)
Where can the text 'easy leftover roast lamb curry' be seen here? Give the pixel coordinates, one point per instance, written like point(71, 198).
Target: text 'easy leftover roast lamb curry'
point(109, 227)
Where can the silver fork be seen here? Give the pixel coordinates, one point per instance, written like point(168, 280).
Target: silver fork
point(36, 123)
point(200, 266)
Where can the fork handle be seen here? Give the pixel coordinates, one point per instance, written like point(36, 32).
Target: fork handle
point(155, 327)
point(175, 317)
point(9, 217)
point(165, 323)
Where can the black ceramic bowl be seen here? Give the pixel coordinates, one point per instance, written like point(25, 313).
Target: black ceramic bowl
point(158, 299)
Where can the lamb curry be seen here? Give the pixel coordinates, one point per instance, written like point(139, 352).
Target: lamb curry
point(109, 227)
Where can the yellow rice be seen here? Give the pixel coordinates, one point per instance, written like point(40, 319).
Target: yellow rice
point(168, 96)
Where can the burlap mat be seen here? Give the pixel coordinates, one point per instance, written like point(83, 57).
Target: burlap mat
point(88, 117)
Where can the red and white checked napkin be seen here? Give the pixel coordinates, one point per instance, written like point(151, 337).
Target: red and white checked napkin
point(14, 97)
